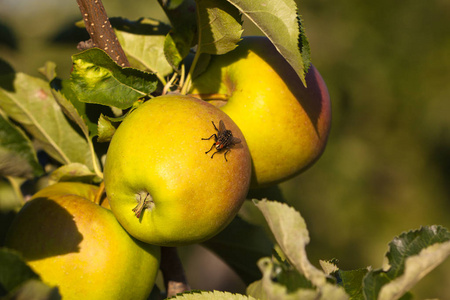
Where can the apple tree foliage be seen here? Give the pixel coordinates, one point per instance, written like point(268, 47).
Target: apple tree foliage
point(53, 128)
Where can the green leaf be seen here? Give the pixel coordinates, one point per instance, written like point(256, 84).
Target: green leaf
point(14, 270)
point(96, 78)
point(48, 70)
point(63, 94)
point(280, 22)
point(29, 101)
point(289, 230)
point(175, 50)
point(183, 19)
point(411, 256)
point(292, 288)
point(68, 108)
point(106, 130)
point(17, 155)
point(241, 245)
point(11, 199)
point(416, 267)
point(36, 290)
point(215, 295)
point(73, 172)
point(143, 42)
point(352, 281)
point(219, 25)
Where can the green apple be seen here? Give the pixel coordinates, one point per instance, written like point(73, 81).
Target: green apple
point(79, 246)
point(285, 124)
point(161, 184)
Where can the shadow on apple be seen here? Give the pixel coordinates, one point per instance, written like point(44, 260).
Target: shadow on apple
point(49, 219)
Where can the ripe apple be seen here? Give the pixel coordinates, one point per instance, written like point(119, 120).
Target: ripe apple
point(79, 246)
point(285, 124)
point(161, 185)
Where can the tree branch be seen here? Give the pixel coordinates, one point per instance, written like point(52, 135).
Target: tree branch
point(172, 271)
point(100, 30)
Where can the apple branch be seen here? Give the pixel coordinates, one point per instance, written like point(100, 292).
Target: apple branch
point(173, 273)
point(100, 30)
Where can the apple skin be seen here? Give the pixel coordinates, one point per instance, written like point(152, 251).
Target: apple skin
point(285, 124)
point(79, 246)
point(158, 150)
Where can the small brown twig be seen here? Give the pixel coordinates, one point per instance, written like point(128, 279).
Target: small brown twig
point(172, 271)
point(100, 30)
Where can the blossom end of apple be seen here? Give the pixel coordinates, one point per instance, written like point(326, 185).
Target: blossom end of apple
point(145, 201)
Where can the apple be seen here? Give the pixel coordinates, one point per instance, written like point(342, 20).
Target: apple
point(168, 181)
point(285, 124)
point(79, 246)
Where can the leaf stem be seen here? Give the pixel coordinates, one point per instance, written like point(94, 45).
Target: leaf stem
point(95, 162)
point(187, 84)
point(98, 196)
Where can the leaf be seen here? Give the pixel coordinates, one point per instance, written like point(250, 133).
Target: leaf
point(352, 282)
point(73, 172)
point(48, 70)
point(328, 266)
point(68, 107)
point(183, 19)
point(96, 78)
point(106, 130)
point(17, 155)
point(219, 25)
point(215, 295)
point(410, 250)
point(270, 289)
point(241, 245)
point(14, 270)
point(143, 42)
point(290, 232)
point(279, 21)
point(63, 94)
point(36, 290)
point(416, 267)
point(28, 101)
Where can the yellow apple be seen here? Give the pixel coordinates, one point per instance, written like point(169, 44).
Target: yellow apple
point(285, 124)
point(79, 246)
point(161, 185)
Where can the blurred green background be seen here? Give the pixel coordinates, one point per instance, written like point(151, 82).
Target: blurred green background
point(386, 168)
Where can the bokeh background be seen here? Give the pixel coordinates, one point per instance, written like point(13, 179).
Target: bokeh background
point(386, 168)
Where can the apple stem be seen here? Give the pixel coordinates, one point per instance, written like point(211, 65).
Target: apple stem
point(145, 201)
